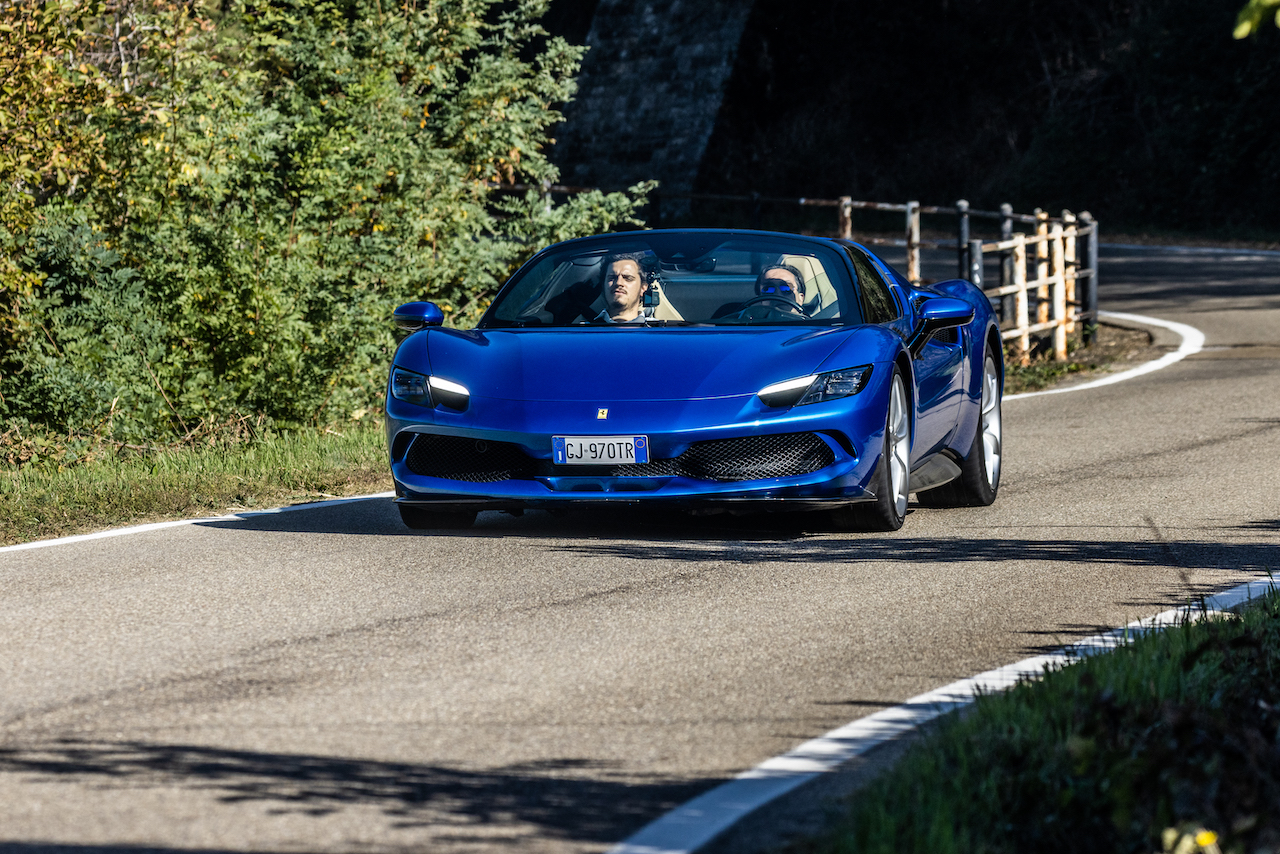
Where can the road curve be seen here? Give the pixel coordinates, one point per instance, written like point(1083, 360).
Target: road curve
point(326, 680)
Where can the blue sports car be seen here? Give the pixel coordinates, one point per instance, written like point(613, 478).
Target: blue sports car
point(712, 370)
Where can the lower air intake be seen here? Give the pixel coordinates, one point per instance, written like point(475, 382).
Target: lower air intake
point(747, 458)
point(471, 460)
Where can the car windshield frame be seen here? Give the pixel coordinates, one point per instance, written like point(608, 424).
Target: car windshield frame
point(560, 286)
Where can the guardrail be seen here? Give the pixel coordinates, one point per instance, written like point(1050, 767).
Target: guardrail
point(1062, 296)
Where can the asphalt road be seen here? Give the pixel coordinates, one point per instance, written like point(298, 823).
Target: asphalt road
point(326, 680)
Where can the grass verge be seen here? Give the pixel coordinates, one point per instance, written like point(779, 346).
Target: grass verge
point(49, 500)
point(1112, 347)
point(1171, 743)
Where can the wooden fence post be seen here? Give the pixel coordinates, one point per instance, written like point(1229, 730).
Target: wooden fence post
point(1006, 261)
point(975, 262)
point(1059, 293)
point(1069, 258)
point(1091, 284)
point(962, 237)
point(844, 226)
point(1042, 267)
point(913, 242)
point(1021, 312)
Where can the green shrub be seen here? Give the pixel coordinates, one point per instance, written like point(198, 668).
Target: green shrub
point(280, 176)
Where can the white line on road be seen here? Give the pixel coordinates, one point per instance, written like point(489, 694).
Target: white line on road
point(1192, 342)
point(687, 828)
point(157, 526)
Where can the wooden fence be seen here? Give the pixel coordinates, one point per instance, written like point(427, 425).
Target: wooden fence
point(1061, 297)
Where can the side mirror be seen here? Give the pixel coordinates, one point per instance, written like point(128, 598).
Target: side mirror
point(938, 313)
point(413, 316)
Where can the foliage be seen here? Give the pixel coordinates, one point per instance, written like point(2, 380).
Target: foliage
point(1170, 743)
point(278, 175)
point(1251, 16)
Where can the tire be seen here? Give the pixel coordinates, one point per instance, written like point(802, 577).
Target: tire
point(892, 480)
point(424, 520)
point(979, 479)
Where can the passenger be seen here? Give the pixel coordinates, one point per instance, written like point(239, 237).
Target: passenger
point(781, 280)
point(623, 289)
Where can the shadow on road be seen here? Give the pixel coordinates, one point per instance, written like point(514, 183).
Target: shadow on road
point(378, 516)
point(555, 797)
point(639, 534)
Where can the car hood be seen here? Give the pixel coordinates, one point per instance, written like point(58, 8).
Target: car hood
point(602, 364)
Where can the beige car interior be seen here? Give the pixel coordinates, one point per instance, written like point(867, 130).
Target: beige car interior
point(818, 290)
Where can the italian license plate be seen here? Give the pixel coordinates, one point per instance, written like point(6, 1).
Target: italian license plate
point(599, 450)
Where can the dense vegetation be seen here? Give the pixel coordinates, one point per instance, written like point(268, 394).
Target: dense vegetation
point(208, 208)
point(1145, 112)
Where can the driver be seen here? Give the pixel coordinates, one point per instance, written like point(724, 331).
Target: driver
point(781, 280)
point(623, 289)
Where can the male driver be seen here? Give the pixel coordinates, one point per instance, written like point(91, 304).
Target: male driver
point(781, 280)
point(624, 287)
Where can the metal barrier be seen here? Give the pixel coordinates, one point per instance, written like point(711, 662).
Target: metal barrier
point(1062, 295)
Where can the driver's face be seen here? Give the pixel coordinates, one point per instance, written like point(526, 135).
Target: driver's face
point(623, 288)
point(786, 277)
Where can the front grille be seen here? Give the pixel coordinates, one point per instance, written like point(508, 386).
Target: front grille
point(746, 458)
point(756, 457)
point(471, 460)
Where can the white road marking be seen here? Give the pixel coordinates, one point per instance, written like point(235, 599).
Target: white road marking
point(1192, 342)
point(157, 526)
point(687, 828)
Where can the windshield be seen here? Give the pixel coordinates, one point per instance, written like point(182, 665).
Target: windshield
point(676, 279)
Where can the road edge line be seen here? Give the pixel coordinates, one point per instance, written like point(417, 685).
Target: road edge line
point(1192, 342)
point(174, 523)
point(700, 821)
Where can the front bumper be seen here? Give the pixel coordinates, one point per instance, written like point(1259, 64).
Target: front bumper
point(842, 454)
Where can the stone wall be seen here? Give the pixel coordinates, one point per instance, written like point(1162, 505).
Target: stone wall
point(649, 91)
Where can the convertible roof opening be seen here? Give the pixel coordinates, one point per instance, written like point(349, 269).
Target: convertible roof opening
point(680, 278)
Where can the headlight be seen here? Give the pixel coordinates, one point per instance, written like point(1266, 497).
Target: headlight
point(410, 387)
point(428, 391)
point(837, 384)
point(816, 388)
point(449, 394)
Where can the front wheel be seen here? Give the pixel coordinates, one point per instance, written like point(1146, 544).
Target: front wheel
point(979, 479)
point(421, 519)
point(893, 475)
